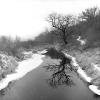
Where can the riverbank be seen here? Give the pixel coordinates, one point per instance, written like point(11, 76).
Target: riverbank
point(36, 60)
point(87, 64)
point(22, 70)
point(8, 64)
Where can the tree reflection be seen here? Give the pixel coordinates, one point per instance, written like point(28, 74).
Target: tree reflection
point(60, 74)
point(60, 79)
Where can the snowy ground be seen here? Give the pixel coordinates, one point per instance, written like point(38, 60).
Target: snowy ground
point(83, 74)
point(23, 68)
point(33, 62)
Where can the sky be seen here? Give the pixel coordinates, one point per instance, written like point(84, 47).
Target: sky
point(27, 18)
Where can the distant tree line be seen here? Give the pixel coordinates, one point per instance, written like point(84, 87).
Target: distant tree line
point(67, 28)
point(13, 46)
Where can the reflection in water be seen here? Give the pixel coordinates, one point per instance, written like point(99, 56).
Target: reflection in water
point(60, 71)
point(59, 77)
point(60, 74)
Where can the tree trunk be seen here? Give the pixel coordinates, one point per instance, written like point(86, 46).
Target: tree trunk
point(64, 39)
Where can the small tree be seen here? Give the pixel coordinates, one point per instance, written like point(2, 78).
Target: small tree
point(62, 23)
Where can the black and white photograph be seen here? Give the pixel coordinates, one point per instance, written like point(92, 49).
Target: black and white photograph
point(49, 49)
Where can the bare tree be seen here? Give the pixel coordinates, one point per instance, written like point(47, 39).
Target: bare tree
point(62, 23)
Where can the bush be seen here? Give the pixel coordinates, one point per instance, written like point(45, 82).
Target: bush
point(7, 65)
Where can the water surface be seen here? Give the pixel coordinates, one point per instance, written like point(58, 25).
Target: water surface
point(34, 86)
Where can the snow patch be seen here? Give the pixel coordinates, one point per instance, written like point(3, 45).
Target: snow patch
point(82, 42)
point(96, 66)
point(94, 89)
point(83, 74)
point(42, 52)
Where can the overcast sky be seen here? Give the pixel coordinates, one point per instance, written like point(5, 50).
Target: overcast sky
point(26, 18)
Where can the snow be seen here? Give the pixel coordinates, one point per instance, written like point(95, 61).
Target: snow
point(82, 73)
point(94, 89)
point(79, 70)
point(23, 68)
point(96, 67)
point(26, 53)
point(82, 42)
point(32, 63)
point(42, 52)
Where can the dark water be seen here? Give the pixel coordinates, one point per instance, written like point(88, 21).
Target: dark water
point(34, 86)
point(43, 84)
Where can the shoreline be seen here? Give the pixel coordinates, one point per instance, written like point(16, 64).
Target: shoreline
point(21, 71)
point(36, 60)
point(83, 74)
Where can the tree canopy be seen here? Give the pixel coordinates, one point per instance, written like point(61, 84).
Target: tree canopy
point(62, 23)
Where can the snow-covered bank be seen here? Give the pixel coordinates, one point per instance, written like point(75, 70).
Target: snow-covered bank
point(94, 89)
point(79, 70)
point(31, 63)
point(23, 68)
point(82, 73)
point(8, 64)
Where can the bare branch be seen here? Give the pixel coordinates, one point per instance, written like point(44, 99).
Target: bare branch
point(62, 23)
